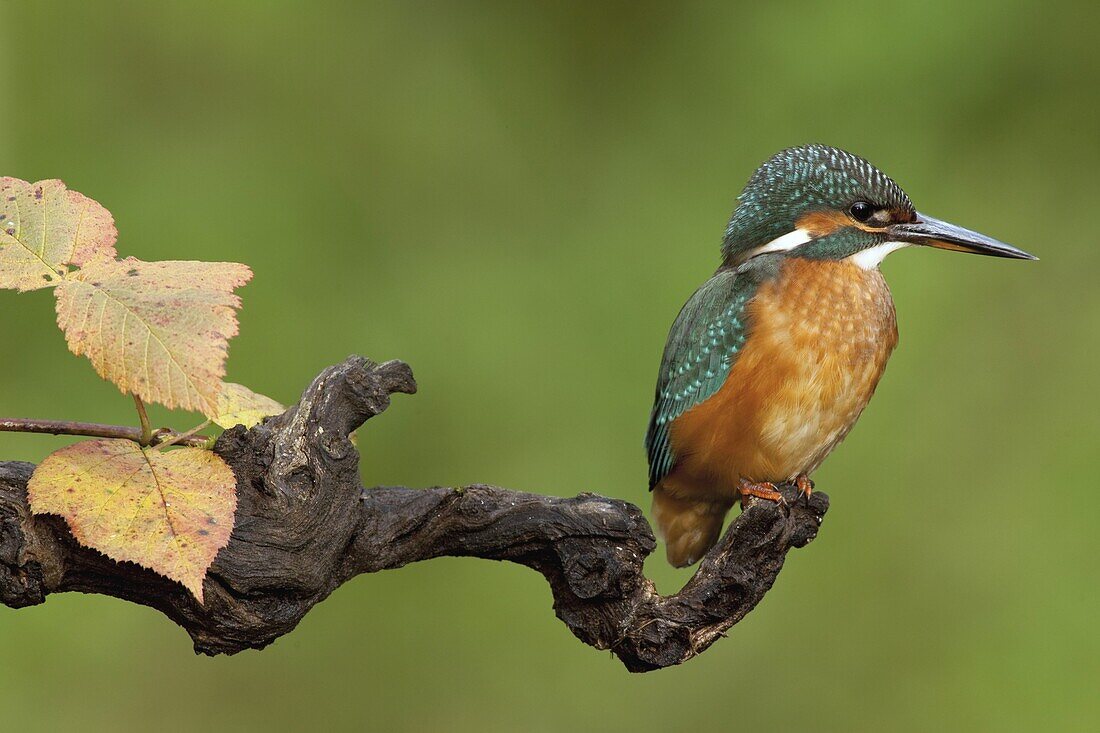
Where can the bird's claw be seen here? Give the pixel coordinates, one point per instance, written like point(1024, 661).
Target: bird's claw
point(805, 487)
point(761, 490)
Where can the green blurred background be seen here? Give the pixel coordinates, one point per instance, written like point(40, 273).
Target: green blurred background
point(516, 199)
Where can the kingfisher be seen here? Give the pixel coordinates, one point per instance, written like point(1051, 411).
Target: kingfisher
point(770, 363)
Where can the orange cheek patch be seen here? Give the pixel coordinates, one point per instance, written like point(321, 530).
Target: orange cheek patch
point(820, 223)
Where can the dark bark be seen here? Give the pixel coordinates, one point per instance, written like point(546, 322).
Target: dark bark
point(305, 525)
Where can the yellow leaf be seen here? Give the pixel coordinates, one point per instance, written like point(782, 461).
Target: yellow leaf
point(238, 405)
point(44, 228)
point(169, 511)
point(159, 330)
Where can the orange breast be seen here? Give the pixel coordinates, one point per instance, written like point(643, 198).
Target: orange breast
point(821, 334)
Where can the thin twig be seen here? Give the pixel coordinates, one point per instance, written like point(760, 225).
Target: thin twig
point(181, 437)
point(94, 430)
point(143, 416)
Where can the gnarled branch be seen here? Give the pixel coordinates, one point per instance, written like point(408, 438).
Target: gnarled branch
point(305, 525)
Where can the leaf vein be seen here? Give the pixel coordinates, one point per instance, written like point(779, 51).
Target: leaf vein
point(79, 226)
point(163, 498)
point(24, 245)
point(173, 359)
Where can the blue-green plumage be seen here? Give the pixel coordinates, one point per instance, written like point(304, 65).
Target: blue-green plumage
point(702, 347)
point(799, 180)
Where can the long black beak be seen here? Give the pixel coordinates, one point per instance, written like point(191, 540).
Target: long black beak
point(932, 232)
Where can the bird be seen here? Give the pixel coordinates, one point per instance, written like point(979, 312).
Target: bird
point(773, 359)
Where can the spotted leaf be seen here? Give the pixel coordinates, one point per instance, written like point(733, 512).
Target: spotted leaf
point(159, 330)
point(170, 511)
point(44, 228)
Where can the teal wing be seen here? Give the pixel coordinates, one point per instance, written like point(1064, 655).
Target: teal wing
point(702, 347)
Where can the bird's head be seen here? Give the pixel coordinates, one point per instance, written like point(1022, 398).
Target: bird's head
point(819, 202)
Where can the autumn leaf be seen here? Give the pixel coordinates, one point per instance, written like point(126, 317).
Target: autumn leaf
point(44, 227)
point(238, 405)
point(159, 330)
point(169, 511)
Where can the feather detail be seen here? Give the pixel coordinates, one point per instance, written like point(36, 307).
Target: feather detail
point(821, 335)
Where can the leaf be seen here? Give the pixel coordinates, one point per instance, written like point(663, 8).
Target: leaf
point(44, 227)
point(238, 405)
point(159, 330)
point(169, 511)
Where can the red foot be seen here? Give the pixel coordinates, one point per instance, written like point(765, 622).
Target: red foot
point(761, 490)
point(805, 486)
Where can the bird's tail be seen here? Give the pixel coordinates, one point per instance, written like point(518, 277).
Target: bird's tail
point(689, 527)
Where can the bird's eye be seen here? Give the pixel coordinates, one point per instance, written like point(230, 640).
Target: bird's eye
point(861, 211)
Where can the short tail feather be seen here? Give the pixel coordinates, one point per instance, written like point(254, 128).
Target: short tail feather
point(688, 526)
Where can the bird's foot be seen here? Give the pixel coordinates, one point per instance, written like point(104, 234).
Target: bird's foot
point(805, 486)
point(761, 490)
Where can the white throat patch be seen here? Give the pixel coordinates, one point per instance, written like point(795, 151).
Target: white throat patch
point(872, 257)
